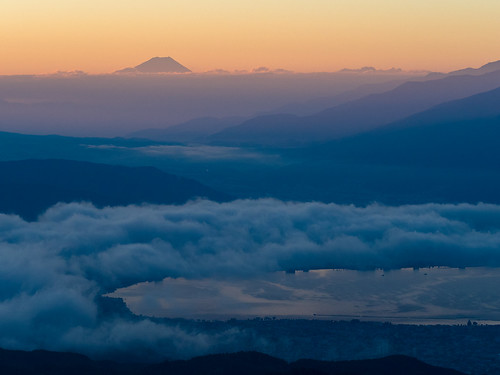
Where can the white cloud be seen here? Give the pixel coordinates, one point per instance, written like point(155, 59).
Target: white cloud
point(53, 268)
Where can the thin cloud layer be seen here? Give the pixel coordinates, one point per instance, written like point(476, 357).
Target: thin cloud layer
point(53, 269)
point(194, 152)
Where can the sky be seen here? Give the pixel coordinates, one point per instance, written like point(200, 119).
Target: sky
point(101, 36)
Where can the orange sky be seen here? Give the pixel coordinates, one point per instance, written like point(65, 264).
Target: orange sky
point(100, 36)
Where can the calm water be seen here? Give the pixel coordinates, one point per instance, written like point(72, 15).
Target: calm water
point(428, 296)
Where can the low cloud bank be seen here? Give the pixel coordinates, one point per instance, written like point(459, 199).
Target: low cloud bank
point(196, 152)
point(52, 269)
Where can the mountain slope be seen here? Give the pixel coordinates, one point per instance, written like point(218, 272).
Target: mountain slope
point(463, 132)
point(486, 68)
point(448, 154)
point(29, 187)
point(358, 116)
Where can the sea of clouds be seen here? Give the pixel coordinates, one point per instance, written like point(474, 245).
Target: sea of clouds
point(53, 269)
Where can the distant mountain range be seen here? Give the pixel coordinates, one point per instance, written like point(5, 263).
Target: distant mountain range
point(464, 132)
point(157, 65)
point(243, 363)
point(199, 130)
point(487, 68)
point(360, 115)
point(29, 187)
point(447, 154)
point(429, 141)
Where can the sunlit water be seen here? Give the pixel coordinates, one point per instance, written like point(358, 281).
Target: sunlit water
point(424, 296)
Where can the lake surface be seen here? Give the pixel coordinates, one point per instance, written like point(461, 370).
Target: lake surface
point(421, 296)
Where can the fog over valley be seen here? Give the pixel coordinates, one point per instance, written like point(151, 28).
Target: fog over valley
point(54, 272)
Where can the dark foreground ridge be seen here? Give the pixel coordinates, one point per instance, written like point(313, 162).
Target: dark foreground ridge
point(242, 363)
point(29, 187)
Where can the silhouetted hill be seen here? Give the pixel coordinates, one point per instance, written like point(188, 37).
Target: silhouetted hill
point(242, 363)
point(396, 364)
point(357, 116)
point(157, 65)
point(29, 187)
point(17, 362)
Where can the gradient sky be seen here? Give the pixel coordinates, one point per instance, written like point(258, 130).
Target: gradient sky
point(99, 36)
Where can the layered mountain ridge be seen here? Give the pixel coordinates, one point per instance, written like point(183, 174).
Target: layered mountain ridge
point(357, 116)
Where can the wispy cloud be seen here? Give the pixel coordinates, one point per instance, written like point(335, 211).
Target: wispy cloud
point(196, 152)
